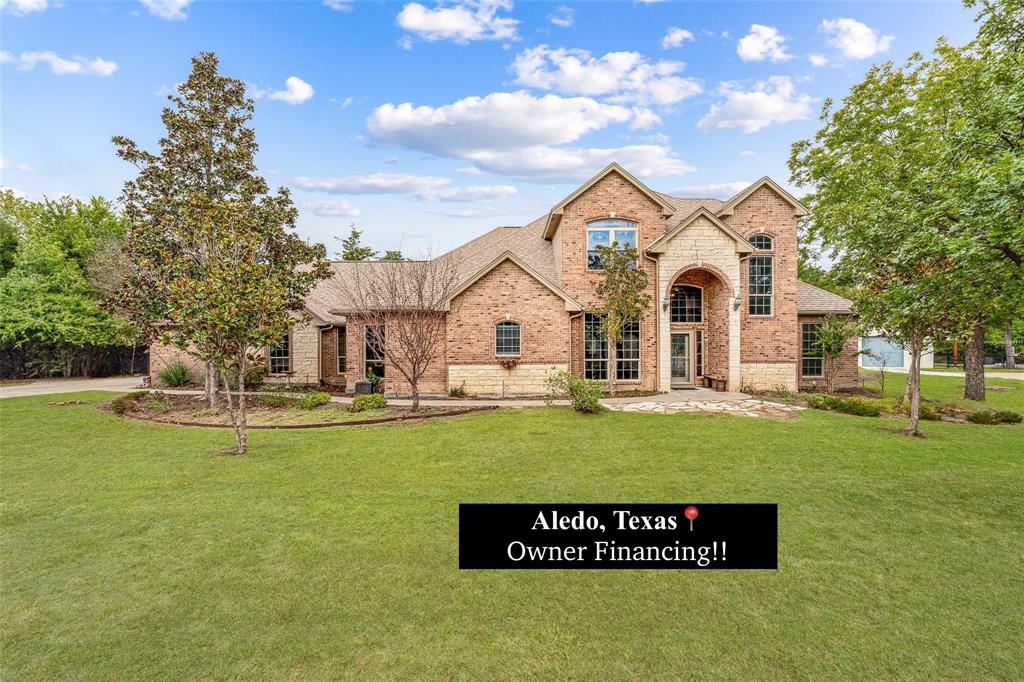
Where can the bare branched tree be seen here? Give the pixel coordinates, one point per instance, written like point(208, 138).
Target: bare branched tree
point(405, 299)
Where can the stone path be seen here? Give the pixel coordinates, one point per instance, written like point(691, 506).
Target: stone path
point(749, 407)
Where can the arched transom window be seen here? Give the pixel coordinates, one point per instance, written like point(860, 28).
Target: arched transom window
point(604, 233)
point(507, 338)
point(686, 304)
point(761, 242)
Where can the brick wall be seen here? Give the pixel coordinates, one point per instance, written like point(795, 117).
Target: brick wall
point(611, 197)
point(715, 324)
point(433, 381)
point(769, 340)
point(160, 356)
point(846, 375)
point(329, 358)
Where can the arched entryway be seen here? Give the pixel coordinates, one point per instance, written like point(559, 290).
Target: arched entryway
point(697, 306)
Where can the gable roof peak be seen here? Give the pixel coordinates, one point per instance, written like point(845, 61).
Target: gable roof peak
point(555, 215)
point(660, 244)
point(730, 206)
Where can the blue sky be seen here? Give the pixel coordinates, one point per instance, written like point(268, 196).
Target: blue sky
point(427, 124)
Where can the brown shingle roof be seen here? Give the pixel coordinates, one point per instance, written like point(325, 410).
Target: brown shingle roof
point(812, 300)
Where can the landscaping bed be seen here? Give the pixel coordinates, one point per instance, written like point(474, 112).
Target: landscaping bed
point(265, 411)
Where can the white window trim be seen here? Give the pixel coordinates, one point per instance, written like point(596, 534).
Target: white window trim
point(593, 227)
point(770, 255)
point(494, 339)
point(342, 367)
point(810, 357)
point(290, 356)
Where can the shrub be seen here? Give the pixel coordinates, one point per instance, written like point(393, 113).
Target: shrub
point(457, 391)
point(374, 401)
point(159, 403)
point(254, 377)
point(860, 407)
point(123, 404)
point(585, 395)
point(999, 417)
point(314, 400)
point(175, 375)
point(278, 401)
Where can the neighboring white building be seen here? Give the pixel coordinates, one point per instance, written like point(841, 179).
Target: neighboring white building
point(889, 353)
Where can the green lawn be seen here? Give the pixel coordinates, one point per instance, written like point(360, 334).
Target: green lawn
point(131, 550)
point(1000, 393)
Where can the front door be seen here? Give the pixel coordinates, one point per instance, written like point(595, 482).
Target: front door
point(681, 359)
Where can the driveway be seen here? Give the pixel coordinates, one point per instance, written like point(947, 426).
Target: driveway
point(46, 386)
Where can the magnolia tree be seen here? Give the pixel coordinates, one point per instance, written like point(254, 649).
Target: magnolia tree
point(834, 332)
point(404, 302)
point(623, 295)
point(210, 252)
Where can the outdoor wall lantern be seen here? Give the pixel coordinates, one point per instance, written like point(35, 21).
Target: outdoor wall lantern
point(736, 303)
point(664, 304)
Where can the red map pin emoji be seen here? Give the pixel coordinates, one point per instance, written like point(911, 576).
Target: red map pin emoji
point(691, 513)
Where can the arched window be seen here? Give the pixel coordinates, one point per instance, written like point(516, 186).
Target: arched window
point(686, 304)
point(761, 242)
point(603, 233)
point(507, 338)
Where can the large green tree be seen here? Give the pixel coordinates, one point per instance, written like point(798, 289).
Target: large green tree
point(212, 251)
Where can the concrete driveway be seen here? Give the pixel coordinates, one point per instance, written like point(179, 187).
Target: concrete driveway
point(46, 386)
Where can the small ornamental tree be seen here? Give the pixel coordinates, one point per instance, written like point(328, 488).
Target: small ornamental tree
point(623, 295)
point(833, 334)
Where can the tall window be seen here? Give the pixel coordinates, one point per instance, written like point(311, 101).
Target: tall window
point(627, 353)
point(699, 360)
point(342, 350)
point(507, 338)
point(603, 233)
point(374, 353)
point(686, 304)
point(596, 350)
point(813, 360)
point(759, 284)
point(281, 356)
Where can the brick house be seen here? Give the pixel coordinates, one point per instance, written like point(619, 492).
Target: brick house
point(727, 308)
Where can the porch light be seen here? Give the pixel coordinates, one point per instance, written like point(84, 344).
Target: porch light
point(736, 303)
point(664, 304)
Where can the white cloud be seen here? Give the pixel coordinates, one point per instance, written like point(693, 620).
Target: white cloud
point(716, 189)
point(675, 37)
point(501, 120)
point(748, 152)
point(763, 42)
point(296, 91)
point(392, 160)
point(469, 170)
point(405, 43)
point(619, 76)
point(769, 102)
point(569, 164)
point(343, 103)
point(7, 164)
point(461, 22)
point(817, 59)
point(75, 66)
point(563, 16)
point(171, 10)
point(854, 39)
point(339, 5)
point(483, 211)
point(333, 208)
point(22, 7)
point(422, 187)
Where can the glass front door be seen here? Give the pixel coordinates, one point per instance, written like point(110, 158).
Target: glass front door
point(681, 359)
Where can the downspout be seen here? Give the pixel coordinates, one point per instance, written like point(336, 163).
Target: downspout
point(657, 320)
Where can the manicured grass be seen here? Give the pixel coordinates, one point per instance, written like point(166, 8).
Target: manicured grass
point(1001, 394)
point(132, 550)
point(1017, 370)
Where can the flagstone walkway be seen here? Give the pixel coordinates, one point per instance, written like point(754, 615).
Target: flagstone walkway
point(747, 407)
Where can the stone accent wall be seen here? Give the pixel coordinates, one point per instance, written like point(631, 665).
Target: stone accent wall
point(305, 357)
point(508, 293)
point(847, 375)
point(611, 197)
point(329, 358)
point(768, 376)
point(492, 380)
point(769, 339)
point(703, 249)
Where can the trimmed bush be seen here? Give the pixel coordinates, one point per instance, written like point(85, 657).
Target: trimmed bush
point(123, 404)
point(175, 375)
point(362, 403)
point(861, 407)
point(314, 400)
point(585, 395)
point(278, 401)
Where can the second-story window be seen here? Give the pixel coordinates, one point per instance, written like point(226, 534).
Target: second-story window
point(760, 276)
point(604, 233)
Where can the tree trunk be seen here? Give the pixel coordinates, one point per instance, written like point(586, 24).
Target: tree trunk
point(915, 366)
point(974, 364)
point(240, 435)
point(914, 382)
point(210, 387)
point(612, 367)
point(415, 395)
point(1008, 346)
